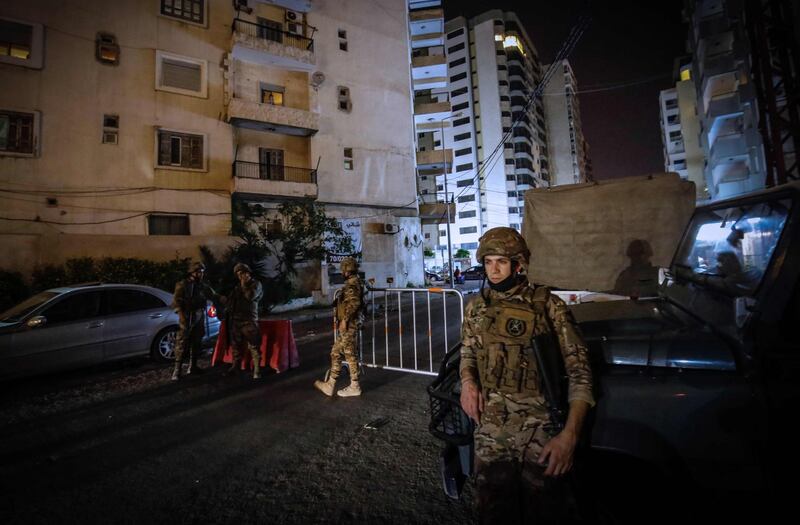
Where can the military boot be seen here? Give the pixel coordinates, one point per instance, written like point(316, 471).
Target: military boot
point(353, 390)
point(326, 387)
point(256, 369)
point(176, 372)
point(193, 368)
point(231, 369)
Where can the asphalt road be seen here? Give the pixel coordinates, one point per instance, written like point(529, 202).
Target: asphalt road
point(120, 443)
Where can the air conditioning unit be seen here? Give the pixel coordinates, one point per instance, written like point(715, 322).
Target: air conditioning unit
point(390, 228)
point(294, 22)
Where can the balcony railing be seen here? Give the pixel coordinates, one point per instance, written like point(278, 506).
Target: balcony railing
point(273, 34)
point(275, 172)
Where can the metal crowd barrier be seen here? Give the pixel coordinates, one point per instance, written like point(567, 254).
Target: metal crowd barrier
point(387, 350)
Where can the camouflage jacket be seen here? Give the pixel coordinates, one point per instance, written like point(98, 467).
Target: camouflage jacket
point(189, 297)
point(242, 303)
point(351, 300)
point(573, 348)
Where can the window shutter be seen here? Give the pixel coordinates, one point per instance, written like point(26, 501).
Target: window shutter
point(181, 75)
point(164, 148)
point(196, 154)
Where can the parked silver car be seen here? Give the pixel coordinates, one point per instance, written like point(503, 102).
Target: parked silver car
point(86, 324)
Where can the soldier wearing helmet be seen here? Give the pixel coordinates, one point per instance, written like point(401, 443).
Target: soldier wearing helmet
point(241, 317)
point(349, 305)
point(189, 301)
point(518, 448)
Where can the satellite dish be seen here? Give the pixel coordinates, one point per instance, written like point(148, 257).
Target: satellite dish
point(317, 78)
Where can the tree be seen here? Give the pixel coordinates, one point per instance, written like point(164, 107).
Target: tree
point(428, 253)
point(461, 253)
point(274, 248)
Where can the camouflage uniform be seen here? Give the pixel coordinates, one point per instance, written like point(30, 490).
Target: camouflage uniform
point(348, 308)
point(189, 300)
point(349, 305)
point(242, 320)
point(515, 424)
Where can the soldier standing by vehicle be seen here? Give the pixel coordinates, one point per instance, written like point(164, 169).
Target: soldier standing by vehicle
point(348, 310)
point(189, 301)
point(518, 446)
point(241, 317)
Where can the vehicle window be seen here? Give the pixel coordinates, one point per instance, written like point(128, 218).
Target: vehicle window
point(122, 301)
point(74, 308)
point(731, 248)
point(16, 313)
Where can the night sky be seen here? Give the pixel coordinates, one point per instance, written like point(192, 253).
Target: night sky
point(633, 44)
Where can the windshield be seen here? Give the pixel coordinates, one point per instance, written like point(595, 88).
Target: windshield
point(730, 248)
point(15, 313)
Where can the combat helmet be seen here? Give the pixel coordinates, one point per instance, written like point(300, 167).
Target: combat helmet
point(242, 267)
point(349, 264)
point(506, 242)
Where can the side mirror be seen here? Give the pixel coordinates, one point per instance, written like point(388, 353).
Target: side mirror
point(36, 321)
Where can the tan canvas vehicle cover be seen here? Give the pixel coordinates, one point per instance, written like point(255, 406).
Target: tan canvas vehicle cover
point(579, 234)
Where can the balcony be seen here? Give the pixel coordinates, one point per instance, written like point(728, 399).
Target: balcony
point(269, 46)
point(433, 162)
point(727, 149)
point(737, 170)
point(723, 106)
point(427, 110)
point(429, 71)
point(269, 117)
point(270, 179)
point(433, 209)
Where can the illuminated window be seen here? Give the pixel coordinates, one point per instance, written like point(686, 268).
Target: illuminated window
point(272, 94)
point(21, 43)
point(686, 74)
point(498, 38)
point(513, 41)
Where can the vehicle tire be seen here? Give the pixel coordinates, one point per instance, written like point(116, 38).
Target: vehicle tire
point(163, 346)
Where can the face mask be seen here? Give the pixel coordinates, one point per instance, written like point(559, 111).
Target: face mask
point(506, 284)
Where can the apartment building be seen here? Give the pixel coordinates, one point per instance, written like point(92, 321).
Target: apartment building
point(568, 148)
point(492, 66)
point(432, 112)
point(727, 105)
point(680, 131)
point(137, 128)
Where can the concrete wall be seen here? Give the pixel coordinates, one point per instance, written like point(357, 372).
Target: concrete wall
point(376, 68)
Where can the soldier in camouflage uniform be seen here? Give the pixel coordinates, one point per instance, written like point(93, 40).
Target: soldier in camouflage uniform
point(189, 301)
point(241, 308)
point(348, 310)
point(516, 445)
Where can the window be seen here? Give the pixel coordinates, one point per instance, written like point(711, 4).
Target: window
point(466, 198)
point(348, 158)
point(442, 233)
point(468, 229)
point(457, 62)
point(457, 47)
point(123, 301)
point(457, 32)
point(180, 74)
point(167, 224)
point(464, 167)
point(21, 43)
point(180, 150)
point(19, 133)
point(466, 214)
point(459, 91)
point(512, 193)
point(461, 121)
point(462, 136)
point(271, 94)
point(107, 49)
point(110, 129)
point(463, 105)
point(464, 183)
point(193, 11)
point(465, 151)
point(439, 187)
point(75, 307)
point(427, 236)
point(456, 78)
point(344, 99)
point(342, 40)
point(513, 210)
point(469, 245)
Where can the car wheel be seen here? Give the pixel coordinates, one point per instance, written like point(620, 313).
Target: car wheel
point(163, 347)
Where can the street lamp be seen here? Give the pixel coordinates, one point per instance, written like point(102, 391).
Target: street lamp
point(446, 197)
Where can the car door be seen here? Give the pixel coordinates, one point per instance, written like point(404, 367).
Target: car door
point(71, 336)
point(134, 318)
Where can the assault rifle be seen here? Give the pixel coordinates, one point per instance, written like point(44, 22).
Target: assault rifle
point(554, 376)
